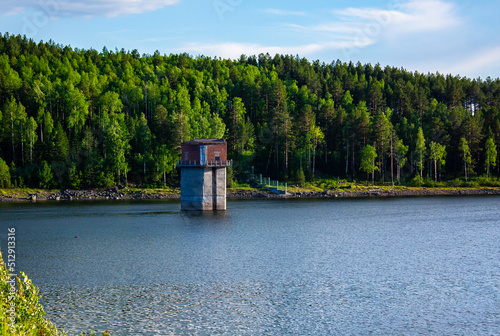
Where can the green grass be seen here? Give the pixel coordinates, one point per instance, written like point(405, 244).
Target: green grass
point(155, 190)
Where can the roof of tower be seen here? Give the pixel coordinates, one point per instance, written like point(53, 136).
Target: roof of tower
point(205, 142)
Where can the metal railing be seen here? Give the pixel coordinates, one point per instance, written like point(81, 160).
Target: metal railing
point(183, 163)
point(273, 185)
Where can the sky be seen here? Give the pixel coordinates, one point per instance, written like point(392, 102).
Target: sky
point(458, 37)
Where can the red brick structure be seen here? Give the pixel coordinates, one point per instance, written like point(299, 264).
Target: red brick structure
point(204, 152)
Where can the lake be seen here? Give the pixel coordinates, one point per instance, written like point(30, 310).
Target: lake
point(393, 266)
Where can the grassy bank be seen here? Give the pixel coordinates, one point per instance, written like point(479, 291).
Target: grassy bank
point(318, 188)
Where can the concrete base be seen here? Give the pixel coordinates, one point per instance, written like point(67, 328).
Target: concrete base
point(203, 188)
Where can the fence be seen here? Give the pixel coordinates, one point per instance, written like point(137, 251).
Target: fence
point(266, 182)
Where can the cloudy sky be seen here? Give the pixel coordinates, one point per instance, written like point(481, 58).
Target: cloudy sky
point(460, 37)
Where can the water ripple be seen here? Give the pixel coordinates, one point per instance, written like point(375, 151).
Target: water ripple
point(258, 308)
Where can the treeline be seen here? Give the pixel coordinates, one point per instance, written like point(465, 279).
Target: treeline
point(75, 118)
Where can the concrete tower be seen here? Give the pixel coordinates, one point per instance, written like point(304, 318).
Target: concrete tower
point(203, 174)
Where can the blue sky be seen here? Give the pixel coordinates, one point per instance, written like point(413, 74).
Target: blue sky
point(460, 37)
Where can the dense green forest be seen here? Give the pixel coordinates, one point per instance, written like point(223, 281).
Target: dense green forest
point(79, 118)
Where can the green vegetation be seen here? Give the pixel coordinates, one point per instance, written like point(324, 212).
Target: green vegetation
point(72, 118)
point(368, 156)
point(23, 300)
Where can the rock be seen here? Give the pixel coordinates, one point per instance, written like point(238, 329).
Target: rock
point(33, 198)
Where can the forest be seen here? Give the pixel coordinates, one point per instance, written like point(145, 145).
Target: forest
point(74, 118)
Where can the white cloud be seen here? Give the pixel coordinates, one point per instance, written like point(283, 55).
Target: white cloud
point(235, 50)
point(363, 27)
point(10, 10)
point(353, 30)
point(283, 12)
point(475, 62)
point(83, 8)
point(415, 16)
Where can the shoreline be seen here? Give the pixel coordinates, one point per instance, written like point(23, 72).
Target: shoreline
point(114, 193)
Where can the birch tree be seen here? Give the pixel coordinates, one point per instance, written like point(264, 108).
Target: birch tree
point(491, 155)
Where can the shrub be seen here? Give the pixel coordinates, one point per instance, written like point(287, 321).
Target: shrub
point(429, 182)
point(45, 175)
point(487, 182)
point(301, 178)
point(417, 181)
point(471, 184)
point(4, 174)
point(230, 177)
point(455, 183)
point(29, 313)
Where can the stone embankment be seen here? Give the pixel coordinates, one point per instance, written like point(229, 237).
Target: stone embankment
point(113, 193)
point(116, 193)
point(107, 194)
point(396, 193)
point(249, 193)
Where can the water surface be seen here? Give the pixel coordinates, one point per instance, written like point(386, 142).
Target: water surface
point(276, 267)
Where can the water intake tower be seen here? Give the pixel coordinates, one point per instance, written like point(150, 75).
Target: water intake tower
point(203, 174)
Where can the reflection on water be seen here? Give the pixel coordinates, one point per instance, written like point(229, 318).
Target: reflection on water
point(318, 267)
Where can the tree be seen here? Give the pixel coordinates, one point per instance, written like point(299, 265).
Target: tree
point(381, 127)
point(420, 150)
point(20, 127)
point(60, 144)
point(465, 153)
point(143, 139)
point(400, 155)
point(217, 127)
point(45, 175)
point(161, 125)
point(368, 155)
point(236, 117)
point(437, 154)
point(301, 111)
point(165, 161)
point(491, 155)
point(16, 114)
point(78, 107)
point(4, 174)
point(280, 123)
point(316, 137)
point(116, 144)
point(306, 128)
point(326, 119)
point(301, 178)
point(11, 113)
point(31, 135)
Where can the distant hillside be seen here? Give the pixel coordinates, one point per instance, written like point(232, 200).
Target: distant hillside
point(74, 118)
